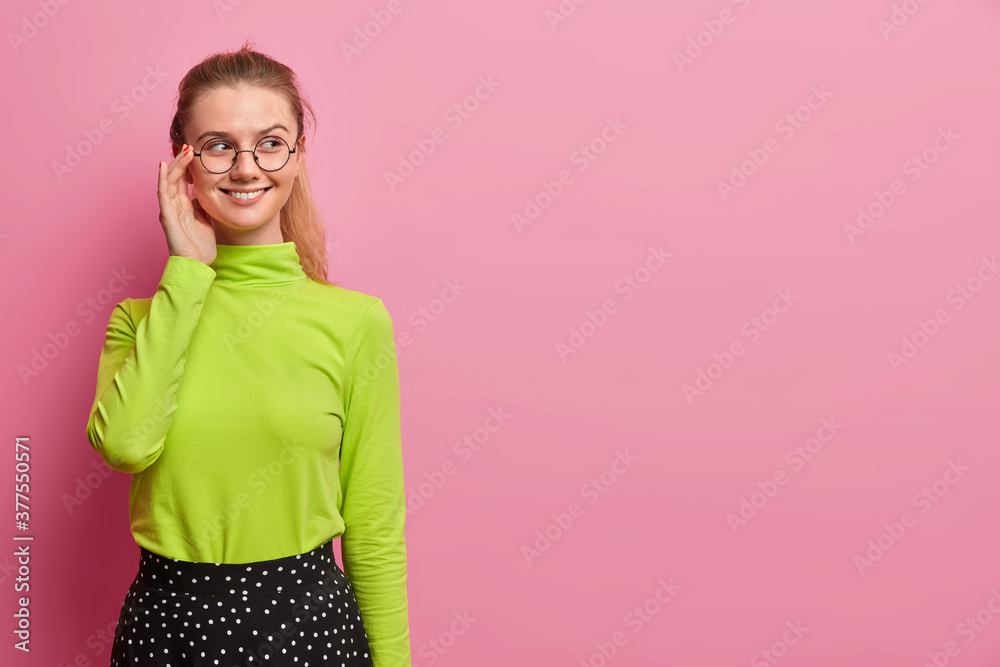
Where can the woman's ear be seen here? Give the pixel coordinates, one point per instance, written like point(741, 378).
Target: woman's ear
point(300, 146)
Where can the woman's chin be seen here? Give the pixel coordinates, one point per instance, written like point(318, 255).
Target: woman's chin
point(241, 219)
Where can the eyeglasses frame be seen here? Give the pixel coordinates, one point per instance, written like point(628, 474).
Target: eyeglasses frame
point(237, 155)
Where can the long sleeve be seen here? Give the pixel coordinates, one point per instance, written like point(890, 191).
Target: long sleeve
point(371, 480)
point(140, 367)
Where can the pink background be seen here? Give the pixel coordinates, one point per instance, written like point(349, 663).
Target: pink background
point(663, 519)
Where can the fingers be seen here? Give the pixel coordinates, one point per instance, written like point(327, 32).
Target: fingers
point(171, 174)
point(181, 161)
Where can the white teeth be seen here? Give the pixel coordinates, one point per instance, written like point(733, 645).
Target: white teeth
point(246, 195)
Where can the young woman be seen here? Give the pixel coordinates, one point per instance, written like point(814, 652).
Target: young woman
point(256, 406)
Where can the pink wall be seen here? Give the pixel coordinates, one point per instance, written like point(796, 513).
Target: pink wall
point(646, 197)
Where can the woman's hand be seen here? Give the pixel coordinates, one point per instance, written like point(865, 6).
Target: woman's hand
point(187, 226)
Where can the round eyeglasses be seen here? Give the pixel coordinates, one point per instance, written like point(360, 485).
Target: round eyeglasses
point(219, 155)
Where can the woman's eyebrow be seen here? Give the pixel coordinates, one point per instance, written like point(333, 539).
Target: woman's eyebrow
point(216, 133)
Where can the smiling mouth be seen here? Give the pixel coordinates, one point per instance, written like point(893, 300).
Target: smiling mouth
point(246, 196)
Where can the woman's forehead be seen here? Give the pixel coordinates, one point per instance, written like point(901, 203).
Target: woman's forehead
point(240, 112)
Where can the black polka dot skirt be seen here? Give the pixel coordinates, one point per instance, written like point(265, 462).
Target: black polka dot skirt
point(298, 610)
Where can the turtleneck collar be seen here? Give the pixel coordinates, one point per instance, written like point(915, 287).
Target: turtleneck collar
point(268, 264)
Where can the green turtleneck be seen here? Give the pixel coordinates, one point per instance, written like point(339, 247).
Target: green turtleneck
point(231, 394)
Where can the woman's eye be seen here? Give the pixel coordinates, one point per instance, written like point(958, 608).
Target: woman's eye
point(218, 146)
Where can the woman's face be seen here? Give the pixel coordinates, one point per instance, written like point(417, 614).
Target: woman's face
point(243, 117)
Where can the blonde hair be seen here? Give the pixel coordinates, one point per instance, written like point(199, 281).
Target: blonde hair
point(300, 220)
